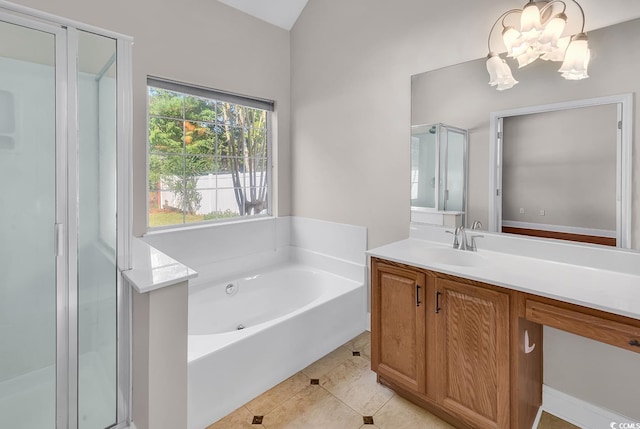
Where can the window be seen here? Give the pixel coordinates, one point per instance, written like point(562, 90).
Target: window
point(209, 155)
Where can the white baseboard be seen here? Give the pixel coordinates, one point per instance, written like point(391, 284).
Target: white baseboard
point(577, 411)
point(536, 422)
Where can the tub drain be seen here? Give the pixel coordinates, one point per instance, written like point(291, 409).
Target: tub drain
point(241, 326)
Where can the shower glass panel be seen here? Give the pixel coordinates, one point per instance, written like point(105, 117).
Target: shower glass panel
point(443, 189)
point(456, 142)
point(27, 215)
point(97, 273)
point(423, 168)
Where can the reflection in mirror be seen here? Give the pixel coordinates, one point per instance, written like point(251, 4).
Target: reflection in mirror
point(563, 170)
point(460, 95)
point(574, 199)
point(438, 174)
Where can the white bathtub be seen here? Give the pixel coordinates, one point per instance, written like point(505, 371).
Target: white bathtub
point(291, 316)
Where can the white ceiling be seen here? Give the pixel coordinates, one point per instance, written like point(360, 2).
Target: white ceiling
point(282, 13)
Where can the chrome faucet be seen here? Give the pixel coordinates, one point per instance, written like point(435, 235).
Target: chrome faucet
point(476, 225)
point(460, 240)
point(456, 242)
point(472, 245)
point(464, 244)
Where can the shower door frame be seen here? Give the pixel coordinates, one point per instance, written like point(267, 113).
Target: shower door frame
point(66, 207)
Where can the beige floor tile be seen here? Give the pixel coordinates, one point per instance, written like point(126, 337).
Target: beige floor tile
point(313, 408)
point(369, 427)
point(327, 363)
point(239, 419)
point(355, 384)
point(549, 421)
point(270, 399)
point(400, 413)
point(357, 343)
point(365, 350)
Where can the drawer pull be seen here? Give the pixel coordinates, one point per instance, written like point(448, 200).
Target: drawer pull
point(438, 302)
point(634, 343)
point(528, 347)
point(418, 302)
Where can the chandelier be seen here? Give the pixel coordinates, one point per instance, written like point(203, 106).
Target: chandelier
point(540, 36)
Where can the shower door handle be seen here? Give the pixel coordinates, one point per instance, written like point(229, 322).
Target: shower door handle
point(58, 239)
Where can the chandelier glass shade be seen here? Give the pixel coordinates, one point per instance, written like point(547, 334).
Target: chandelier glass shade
point(540, 36)
point(499, 73)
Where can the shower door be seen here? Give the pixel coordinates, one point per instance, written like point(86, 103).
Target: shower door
point(64, 223)
point(32, 258)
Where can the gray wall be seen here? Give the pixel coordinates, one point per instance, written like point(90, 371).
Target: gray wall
point(202, 42)
point(159, 361)
point(563, 163)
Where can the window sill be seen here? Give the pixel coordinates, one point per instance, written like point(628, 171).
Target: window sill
point(202, 225)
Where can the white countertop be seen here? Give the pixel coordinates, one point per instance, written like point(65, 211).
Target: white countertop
point(603, 289)
point(153, 269)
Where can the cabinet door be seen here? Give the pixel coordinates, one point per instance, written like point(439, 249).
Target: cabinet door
point(473, 353)
point(398, 325)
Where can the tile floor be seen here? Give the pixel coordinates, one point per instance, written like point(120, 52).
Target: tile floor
point(339, 391)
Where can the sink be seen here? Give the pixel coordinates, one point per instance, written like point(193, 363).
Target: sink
point(449, 256)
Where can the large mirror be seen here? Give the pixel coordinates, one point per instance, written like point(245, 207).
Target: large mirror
point(503, 148)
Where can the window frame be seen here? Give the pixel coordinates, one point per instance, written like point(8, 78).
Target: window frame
point(219, 96)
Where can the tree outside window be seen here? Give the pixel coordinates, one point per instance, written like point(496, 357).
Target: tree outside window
point(208, 159)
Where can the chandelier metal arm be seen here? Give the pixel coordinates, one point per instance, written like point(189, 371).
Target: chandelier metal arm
point(500, 18)
point(582, 13)
point(552, 3)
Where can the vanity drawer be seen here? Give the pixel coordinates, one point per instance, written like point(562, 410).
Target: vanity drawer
point(626, 336)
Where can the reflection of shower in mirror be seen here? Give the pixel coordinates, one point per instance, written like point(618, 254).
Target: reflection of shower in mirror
point(438, 174)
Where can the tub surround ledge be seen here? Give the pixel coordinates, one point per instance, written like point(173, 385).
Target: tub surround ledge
point(153, 269)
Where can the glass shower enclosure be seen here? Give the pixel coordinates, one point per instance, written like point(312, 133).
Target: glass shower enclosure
point(63, 307)
point(438, 168)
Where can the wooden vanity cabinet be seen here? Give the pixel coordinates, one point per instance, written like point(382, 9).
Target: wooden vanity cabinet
point(471, 352)
point(398, 319)
point(472, 329)
point(444, 342)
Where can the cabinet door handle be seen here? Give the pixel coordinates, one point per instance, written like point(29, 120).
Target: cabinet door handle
point(438, 302)
point(418, 302)
point(634, 343)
